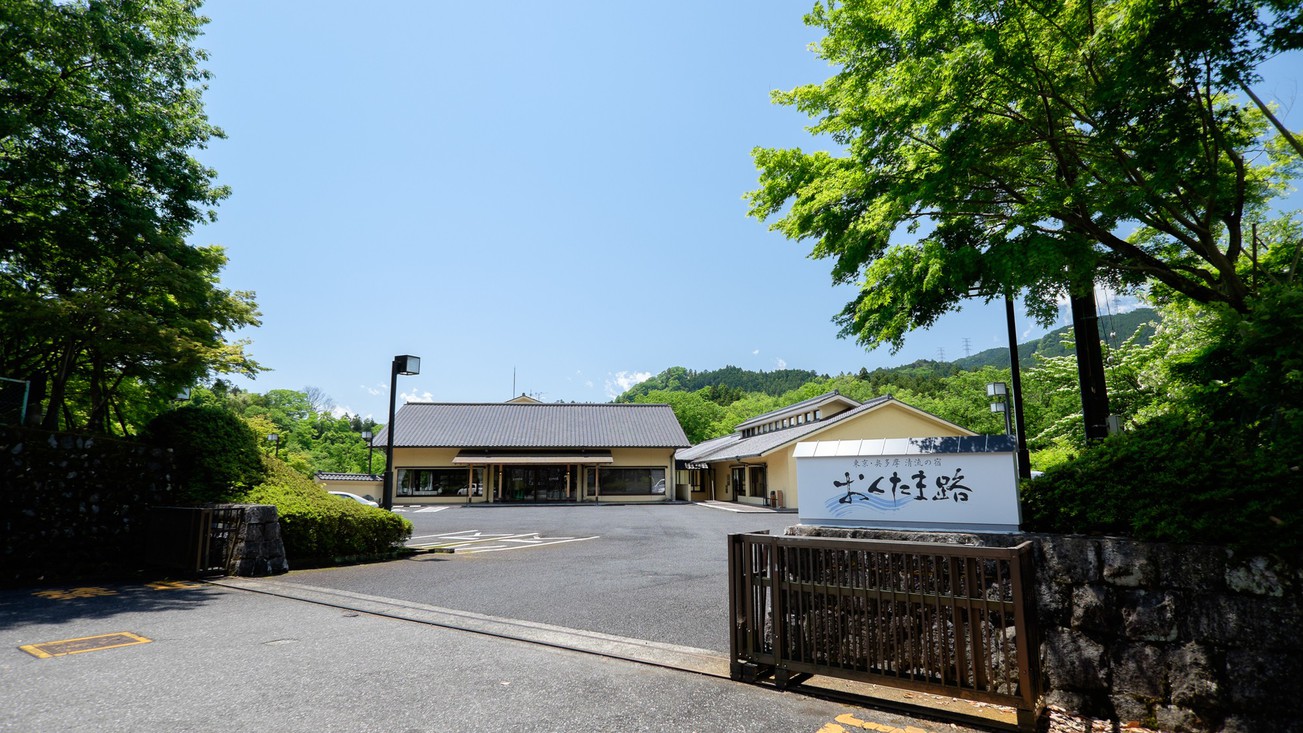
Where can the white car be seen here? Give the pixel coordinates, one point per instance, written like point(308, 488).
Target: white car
point(354, 497)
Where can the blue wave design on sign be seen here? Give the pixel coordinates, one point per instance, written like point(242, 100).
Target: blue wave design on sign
point(837, 508)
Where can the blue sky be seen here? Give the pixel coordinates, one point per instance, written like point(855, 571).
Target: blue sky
point(552, 190)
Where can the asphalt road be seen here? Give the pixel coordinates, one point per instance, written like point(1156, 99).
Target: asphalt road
point(654, 572)
point(213, 659)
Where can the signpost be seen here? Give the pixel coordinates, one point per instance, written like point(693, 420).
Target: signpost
point(966, 484)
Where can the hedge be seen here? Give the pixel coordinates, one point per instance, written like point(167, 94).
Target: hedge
point(319, 528)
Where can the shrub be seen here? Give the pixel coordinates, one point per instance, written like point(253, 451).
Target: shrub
point(1175, 479)
point(215, 454)
point(319, 528)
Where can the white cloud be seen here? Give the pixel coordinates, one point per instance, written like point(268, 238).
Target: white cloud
point(417, 396)
point(782, 364)
point(621, 381)
point(338, 411)
point(755, 352)
point(375, 391)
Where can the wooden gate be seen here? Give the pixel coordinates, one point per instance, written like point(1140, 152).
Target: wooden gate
point(939, 618)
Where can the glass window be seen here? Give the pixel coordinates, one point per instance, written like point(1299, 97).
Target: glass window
point(440, 481)
point(756, 484)
point(629, 481)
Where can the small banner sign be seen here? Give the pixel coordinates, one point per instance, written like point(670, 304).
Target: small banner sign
point(965, 484)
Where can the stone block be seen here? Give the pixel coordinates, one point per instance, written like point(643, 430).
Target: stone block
point(1073, 661)
point(1072, 560)
point(1141, 671)
point(1259, 576)
point(1092, 608)
point(1180, 720)
point(1195, 679)
point(1265, 680)
point(1129, 564)
point(1192, 567)
point(1149, 615)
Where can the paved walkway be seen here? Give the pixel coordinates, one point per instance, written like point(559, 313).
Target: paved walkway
point(245, 654)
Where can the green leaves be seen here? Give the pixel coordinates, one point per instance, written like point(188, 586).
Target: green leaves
point(1003, 145)
point(100, 113)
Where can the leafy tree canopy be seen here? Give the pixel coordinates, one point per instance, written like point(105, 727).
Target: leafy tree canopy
point(1002, 147)
point(108, 310)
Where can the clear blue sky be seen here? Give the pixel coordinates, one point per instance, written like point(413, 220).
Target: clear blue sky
point(550, 188)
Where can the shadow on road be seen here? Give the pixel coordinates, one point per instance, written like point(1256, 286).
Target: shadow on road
point(73, 602)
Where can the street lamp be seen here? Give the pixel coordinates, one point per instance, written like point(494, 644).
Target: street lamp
point(407, 365)
point(1000, 392)
point(275, 440)
point(370, 448)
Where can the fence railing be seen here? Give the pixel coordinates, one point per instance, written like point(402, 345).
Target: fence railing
point(193, 540)
point(940, 618)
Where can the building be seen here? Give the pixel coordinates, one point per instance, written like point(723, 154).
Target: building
point(530, 452)
point(755, 464)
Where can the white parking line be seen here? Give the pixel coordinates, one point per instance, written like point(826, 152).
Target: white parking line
point(468, 541)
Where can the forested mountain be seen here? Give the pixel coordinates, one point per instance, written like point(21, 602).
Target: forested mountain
point(728, 384)
point(1113, 329)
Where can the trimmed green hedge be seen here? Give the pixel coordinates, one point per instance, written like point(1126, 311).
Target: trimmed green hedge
point(215, 453)
point(1175, 479)
point(321, 529)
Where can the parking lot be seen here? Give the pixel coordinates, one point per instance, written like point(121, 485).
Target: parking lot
point(654, 572)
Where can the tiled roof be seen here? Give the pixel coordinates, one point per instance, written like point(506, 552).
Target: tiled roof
point(327, 476)
point(802, 406)
point(544, 425)
point(734, 446)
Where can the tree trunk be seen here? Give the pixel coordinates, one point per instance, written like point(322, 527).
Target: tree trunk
point(1090, 364)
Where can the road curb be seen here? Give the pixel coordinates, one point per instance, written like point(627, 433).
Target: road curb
point(670, 656)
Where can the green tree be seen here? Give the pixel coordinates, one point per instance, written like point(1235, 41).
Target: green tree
point(108, 309)
point(1006, 146)
point(696, 412)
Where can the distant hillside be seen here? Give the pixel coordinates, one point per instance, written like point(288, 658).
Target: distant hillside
point(924, 376)
point(731, 379)
point(1114, 329)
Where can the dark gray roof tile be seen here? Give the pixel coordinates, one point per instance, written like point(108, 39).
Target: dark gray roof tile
point(543, 425)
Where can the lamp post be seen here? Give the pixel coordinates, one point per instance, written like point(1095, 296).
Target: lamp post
point(275, 440)
point(407, 365)
point(1000, 391)
point(370, 448)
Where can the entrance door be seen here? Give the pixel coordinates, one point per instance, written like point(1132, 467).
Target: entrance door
point(738, 481)
point(534, 484)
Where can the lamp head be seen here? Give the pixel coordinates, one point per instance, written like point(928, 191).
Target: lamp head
point(407, 365)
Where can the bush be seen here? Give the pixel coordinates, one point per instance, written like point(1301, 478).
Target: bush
point(319, 528)
point(1175, 479)
point(216, 455)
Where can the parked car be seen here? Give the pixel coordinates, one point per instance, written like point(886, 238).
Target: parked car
point(354, 497)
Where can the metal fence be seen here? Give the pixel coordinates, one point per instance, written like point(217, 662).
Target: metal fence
point(14, 394)
point(939, 618)
point(194, 541)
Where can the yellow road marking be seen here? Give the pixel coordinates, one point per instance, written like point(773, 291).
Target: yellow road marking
point(170, 585)
point(82, 644)
point(74, 593)
point(846, 719)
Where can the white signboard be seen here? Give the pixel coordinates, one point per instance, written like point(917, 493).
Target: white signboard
point(948, 484)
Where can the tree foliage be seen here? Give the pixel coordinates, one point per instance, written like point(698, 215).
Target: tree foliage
point(215, 453)
point(1014, 145)
point(309, 440)
point(109, 311)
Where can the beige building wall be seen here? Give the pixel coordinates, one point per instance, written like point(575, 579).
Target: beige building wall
point(621, 457)
point(891, 420)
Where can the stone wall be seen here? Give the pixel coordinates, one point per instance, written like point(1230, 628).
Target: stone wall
point(1176, 637)
point(258, 547)
point(74, 505)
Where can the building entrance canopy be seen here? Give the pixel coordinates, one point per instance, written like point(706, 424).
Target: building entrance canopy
point(480, 458)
